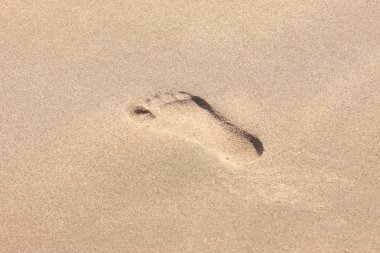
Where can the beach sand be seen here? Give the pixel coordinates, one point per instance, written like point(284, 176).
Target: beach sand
point(189, 126)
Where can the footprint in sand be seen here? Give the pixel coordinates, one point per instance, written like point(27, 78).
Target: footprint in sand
point(193, 119)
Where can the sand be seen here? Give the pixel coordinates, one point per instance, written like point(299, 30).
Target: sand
point(93, 160)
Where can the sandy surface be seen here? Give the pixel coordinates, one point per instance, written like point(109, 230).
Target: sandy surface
point(79, 174)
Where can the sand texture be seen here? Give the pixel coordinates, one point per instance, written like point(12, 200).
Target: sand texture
point(189, 126)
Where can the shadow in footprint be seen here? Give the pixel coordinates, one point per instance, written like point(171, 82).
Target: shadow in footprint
point(256, 143)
